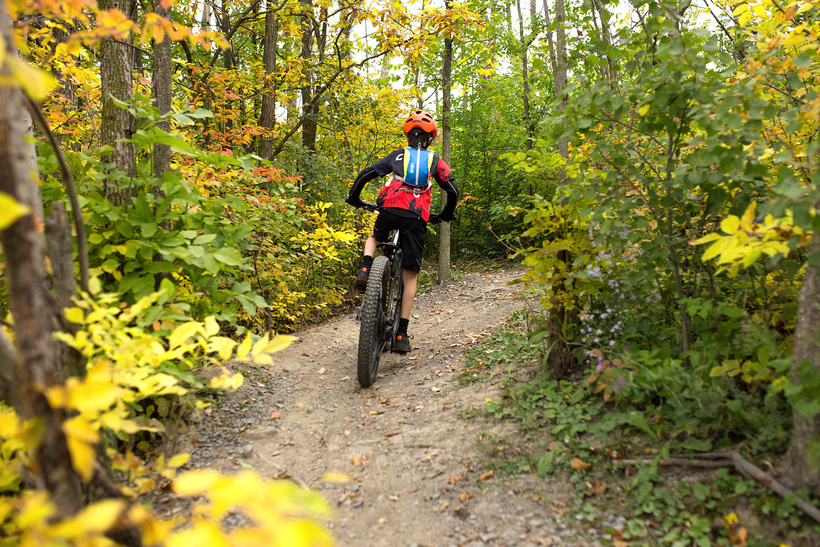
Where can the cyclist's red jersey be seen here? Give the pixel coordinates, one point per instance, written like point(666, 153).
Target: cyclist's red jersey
point(397, 195)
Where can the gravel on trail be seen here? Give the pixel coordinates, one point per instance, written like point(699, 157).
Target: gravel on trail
point(419, 475)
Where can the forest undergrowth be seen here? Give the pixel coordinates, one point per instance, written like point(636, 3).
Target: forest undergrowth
point(633, 441)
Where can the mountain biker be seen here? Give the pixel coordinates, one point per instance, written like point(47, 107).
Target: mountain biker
point(404, 204)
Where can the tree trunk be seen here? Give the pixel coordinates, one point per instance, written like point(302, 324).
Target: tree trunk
point(117, 123)
point(797, 467)
point(446, 88)
point(30, 302)
point(309, 124)
point(162, 86)
point(267, 118)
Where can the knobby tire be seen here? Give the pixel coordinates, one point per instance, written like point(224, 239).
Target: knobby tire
point(374, 308)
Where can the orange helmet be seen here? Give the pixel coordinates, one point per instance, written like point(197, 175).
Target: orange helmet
point(422, 120)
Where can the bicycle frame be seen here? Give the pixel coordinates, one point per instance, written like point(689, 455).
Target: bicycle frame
point(393, 252)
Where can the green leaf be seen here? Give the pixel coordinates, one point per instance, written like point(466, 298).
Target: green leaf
point(229, 256)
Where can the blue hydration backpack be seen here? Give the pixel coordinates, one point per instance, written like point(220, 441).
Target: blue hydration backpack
point(418, 166)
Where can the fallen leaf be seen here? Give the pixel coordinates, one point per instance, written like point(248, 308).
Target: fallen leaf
point(345, 378)
point(391, 497)
point(580, 465)
point(260, 384)
point(388, 435)
point(464, 496)
point(454, 479)
point(342, 498)
point(428, 456)
point(536, 498)
point(275, 415)
point(444, 506)
point(487, 475)
point(300, 405)
point(357, 461)
point(542, 541)
point(288, 441)
point(321, 370)
point(376, 412)
point(335, 477)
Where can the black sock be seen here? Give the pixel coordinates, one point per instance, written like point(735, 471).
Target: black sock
point(403, 324)
point(367, 261)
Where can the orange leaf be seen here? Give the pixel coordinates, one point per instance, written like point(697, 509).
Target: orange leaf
point(357, 460)
point(454, 479)
point(465, 496)
point(579, 465)
point(486, 475)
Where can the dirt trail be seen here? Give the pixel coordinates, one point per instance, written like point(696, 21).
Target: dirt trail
point(416, 463)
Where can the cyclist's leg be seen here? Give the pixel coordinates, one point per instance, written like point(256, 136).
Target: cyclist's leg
point(409, 280)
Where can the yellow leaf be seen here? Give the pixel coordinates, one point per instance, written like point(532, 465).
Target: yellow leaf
point(75, 315)
point(201, 533)
point(760, 11)
point(221, 345)
point(227, 382)
point(94, 285)
point(192, 483)
point(716, 248)
point(579, 465)
point(178, 460)
point(36, 83)
point(805, 7)
point(260, 346)
point(182, 333)
point(97, 518)
point(91, 397)
point(730, 224)
point(280, 342)
point(744, 18)
point(11, 210)
point(751, 257)
point(244, 348)
point(336, 477)
point(80, 438)
point(749, 216)
point(211, 326)
point(643, 110)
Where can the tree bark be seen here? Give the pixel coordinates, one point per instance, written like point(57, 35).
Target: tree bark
point(29, 301)
point(162, 87)
point(309, 124)
point(267, 118)
point(117, 81)
point(796, 467)
point(446, 89)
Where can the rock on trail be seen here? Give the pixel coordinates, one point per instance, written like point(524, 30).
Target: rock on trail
point(419, 477)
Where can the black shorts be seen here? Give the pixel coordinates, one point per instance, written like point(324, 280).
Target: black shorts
point(413, 232)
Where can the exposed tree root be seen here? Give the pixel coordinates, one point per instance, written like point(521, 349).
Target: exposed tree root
point(732, 458)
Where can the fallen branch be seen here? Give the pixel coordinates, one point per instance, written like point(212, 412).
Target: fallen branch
point(680, 461)
point(748, 468)
point(732, 458)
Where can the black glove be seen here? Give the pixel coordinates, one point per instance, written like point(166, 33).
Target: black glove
point(436, 218)
point(355, 202)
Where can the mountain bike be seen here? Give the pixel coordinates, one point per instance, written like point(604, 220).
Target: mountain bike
point(381, 306)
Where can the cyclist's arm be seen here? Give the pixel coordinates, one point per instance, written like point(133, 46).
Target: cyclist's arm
point(378, 169)
point(447, 182)
point(367, 174)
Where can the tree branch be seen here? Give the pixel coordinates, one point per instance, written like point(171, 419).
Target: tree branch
point(71, 190)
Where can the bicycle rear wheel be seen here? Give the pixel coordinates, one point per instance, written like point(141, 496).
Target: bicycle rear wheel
point(374, 315)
